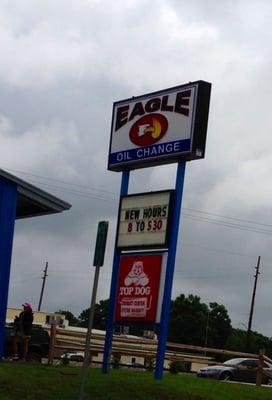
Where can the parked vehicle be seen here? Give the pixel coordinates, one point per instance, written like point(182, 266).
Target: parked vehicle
point(238, 369)
point(38, 344)
point(77, 357)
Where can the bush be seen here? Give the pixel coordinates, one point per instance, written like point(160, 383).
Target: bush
point(65, 360)
point(116, 357)
point(149, 363)
point(179, 366)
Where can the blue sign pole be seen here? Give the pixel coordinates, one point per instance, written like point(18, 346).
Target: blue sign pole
point(8, 201)
point(170, 269)
point(114, 280)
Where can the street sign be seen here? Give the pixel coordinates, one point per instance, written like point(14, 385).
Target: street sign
point(101, 238)
point(100, 246)
point(160, 127)
point(144, 220)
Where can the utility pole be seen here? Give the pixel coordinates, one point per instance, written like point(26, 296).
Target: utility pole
point(43, 283)
point(206, 332)
point(252, 302)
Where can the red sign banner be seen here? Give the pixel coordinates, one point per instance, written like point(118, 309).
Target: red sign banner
point(138, 288)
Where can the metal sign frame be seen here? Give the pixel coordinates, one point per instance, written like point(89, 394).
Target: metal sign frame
point(170, 266)
point(196, 150)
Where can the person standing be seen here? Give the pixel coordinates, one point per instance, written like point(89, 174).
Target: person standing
point(23, 328)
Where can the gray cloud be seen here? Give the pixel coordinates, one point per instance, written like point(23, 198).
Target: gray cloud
point(62, 66)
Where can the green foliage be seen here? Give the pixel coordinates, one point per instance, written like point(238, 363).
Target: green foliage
point(65, 360)
point(219, 328)
point(32, 382)
point(100, 315)
point(149, 363)
point(193, 322)
point(116, 357)
point(73, 321)
point(179, 366)
point(187, 320)
point(237, 342)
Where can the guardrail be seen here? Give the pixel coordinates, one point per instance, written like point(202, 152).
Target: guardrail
point(63, 340)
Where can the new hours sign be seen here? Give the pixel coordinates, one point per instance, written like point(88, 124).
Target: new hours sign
point(144, 220)
point(160, 127)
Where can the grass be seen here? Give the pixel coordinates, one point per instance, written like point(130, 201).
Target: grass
point(38, 382)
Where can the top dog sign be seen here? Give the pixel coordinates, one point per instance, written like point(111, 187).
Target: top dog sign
point(160, 127)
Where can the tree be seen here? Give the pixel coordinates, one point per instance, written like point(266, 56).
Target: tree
point(219, 328)
point(100, 315)
point(194, 322)
point(188, 318)
point(237, 342)
point(73, 321)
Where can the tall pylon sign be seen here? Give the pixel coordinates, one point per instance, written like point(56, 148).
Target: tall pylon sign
point(168, 126)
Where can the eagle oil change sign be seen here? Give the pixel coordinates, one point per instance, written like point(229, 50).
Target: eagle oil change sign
point(160, 127)
point(139, 288)
point(144, 220)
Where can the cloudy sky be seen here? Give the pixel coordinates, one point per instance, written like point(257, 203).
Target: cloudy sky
point(63, 64)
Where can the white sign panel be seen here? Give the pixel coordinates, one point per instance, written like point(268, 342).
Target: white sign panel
point(144, 220)
point(160, 127)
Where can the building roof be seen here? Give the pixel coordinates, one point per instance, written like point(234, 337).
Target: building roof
point(32, 201)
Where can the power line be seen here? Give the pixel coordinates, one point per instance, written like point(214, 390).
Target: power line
point(199, 246)
point(227, 224)
point(105, 195)
point(193, 217)
point(75, 192)
point(59, 181)
point(224, 216)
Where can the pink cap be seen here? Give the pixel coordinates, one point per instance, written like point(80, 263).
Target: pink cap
point(27, 305)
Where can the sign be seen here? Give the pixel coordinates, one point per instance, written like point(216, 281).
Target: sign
point(160, 127)
point(144, 220)
point(100, 246)
point(139, 287)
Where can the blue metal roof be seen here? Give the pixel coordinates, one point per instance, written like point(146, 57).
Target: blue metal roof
point(33, 201)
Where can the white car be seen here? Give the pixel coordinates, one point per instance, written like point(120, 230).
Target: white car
point(77, 357)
